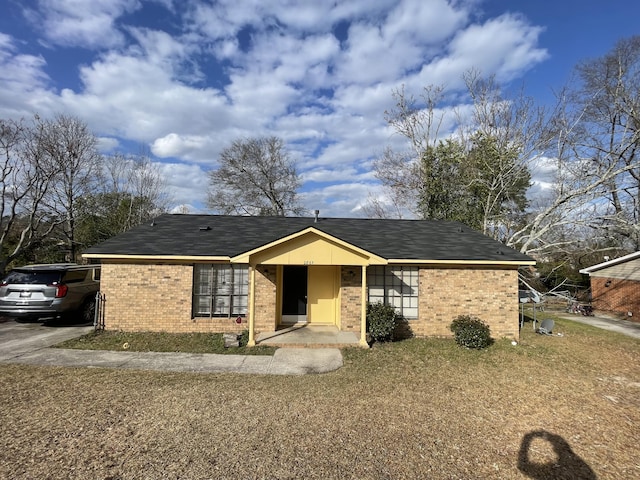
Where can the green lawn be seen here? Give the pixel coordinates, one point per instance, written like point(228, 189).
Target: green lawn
point(551, 407)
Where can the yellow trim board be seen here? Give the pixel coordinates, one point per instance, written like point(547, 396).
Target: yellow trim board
point(406, 261)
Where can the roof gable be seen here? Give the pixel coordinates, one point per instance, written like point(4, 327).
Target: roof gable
point(306, 248)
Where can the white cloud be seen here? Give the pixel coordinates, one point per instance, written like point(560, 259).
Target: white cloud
point(428, 21)
point(23, 81)
point(505, 46)
point(339, 200)
point(171, 54)
point(330, 175)
point(108, 144)
point(81, 23)
point(137, 99)
point(174, 145)
point(187, 184)
point(543, 176)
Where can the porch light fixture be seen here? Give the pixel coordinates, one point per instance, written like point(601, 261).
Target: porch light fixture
point(607, 283)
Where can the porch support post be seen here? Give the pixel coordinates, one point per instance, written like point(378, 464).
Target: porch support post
point(363, 311)
point(252, 307)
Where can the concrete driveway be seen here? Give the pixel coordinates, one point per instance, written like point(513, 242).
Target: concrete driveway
point(17, 339)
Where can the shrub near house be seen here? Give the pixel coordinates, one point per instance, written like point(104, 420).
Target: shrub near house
point(471, 332)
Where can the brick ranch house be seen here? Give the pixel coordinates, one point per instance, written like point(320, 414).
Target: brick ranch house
point(206, 273)
point(615, 285)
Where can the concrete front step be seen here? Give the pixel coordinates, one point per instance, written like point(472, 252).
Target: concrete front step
point(308, 336)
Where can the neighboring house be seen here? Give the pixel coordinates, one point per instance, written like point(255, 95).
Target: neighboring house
point(205, 273)
point(615, 285)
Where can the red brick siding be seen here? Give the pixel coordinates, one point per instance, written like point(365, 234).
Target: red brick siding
point(154, 298)
point(621, 296)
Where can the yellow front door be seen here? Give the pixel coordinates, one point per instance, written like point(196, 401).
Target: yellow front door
point(322, 294)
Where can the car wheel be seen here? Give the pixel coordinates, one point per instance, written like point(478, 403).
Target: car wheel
point(88, 310)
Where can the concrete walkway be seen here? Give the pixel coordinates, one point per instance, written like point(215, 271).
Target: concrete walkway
point(30, 344)
point(285, 361)
point(625, 327)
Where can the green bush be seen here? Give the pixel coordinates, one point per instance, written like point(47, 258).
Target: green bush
point(471, 332)
point(244, 338)
point(381, 321)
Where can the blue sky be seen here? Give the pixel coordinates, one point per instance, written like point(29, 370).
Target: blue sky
point(184, 78)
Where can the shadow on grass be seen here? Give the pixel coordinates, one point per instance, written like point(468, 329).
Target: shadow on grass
point(567, 465)
point(402, 330)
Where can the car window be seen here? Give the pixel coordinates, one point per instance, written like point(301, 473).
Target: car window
point(32, 278)
point(96, 274)
point(74, 276)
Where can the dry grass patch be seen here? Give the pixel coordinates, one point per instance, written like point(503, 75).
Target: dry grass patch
point(415, 409)
point(160, 342)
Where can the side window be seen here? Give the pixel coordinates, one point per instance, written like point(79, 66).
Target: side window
point(74, 276)
point(396, 286)
point(220, 290)
point(96, 274)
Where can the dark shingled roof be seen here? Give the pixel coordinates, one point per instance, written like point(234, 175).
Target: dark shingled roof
point(214, 235)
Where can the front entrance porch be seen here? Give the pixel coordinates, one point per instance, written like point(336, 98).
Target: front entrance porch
point(309, 336)
point(301, 281)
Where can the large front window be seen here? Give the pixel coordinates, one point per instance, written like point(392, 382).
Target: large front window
point(396, 286)
point(220, 290)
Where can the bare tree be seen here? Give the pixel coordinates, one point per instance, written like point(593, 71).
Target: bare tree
point(609, 97)
point(72, 150)
point(146, 186)
point(597, 175)
point(256, 177)
point(133, 192)
point(26, 176)
point(419, 121)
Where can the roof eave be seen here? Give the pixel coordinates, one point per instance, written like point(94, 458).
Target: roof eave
point(610, 263)
point(190, 258)
point(511, 263)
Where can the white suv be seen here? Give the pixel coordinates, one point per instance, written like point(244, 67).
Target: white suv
point(38, 291)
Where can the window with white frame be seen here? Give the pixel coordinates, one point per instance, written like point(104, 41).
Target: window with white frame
point(396, 286)
point(220, 290)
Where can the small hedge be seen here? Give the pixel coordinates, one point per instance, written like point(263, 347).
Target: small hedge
point(244, 338)
point(471, 332)
point(381, 320)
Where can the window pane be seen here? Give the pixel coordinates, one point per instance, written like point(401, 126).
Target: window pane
point(410, 313)
point(395, 286)
point(224, 286)
point(202, 305)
